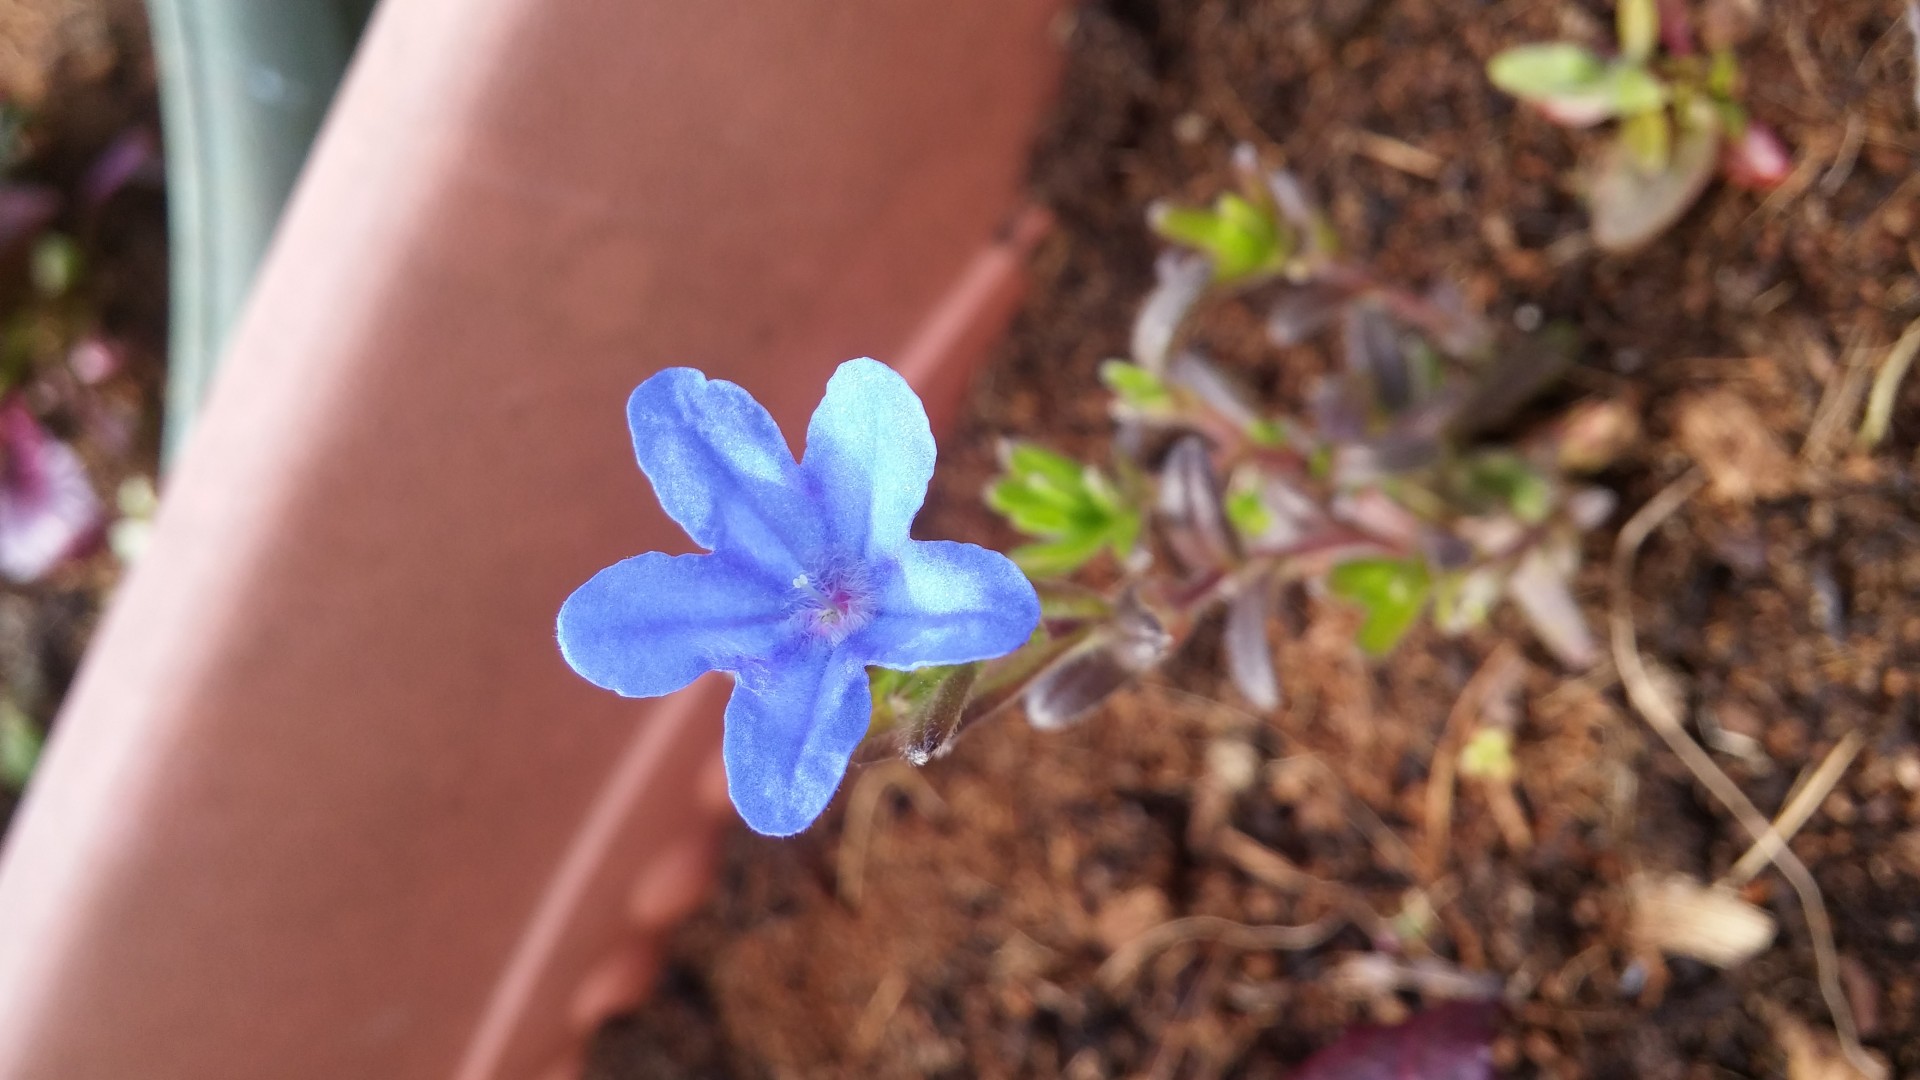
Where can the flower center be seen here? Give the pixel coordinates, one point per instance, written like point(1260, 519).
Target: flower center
point(833, 601)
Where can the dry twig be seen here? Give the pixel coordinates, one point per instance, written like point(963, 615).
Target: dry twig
point(1659, 715)
point(1126, 959)
point(1800, 806)
point(880, 1008)
point(862, 803)
point(1497, 669)
point(1886, 387)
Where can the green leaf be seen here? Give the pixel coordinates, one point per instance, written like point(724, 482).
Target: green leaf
point(1648, 139)
point(1248, 514)
point(1028, 460)
point(56, 265)
point(1240, 239)
point(1269, 433)
point(1488, 755)
point(1509, 480)
point(1136, 386)
point(1062, 556)
point(19, 746)
point(1723, 75)
point(1392, 592)
point(1638, 24)
point(1463, 601)
point(1036, 512)
point(1546, 71)
point(1074, 507)
point(1123, 532)
point(1632, 90)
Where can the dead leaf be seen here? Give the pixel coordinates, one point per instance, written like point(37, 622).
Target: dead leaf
point(1681, 917)
point(1134, 912)
point(1741, 457)
point(1813, 1054)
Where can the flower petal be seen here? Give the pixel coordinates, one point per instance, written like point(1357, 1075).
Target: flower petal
point(869, 456)
point(791, 727)
point(721, 468)
point(949, 603)
point(651, 624)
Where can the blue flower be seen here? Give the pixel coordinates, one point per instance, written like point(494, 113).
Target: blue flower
point(811, 578)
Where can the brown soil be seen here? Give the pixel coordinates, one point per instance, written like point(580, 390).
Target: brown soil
point(996, 882)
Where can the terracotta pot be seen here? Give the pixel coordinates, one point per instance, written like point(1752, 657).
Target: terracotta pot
point(325, 802)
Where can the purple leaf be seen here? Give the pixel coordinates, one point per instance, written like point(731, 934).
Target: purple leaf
point(130, 155)
point(1191, 512)
point(24, 210)
point(1296, 209)
point(1196, 374)
point(1374, 354)
point(1181, 278)
point(1109, 659)
point(48, 511)
point(1539, 588)
point(1303, 310)
point(1249, 651)
point(1452, 1042)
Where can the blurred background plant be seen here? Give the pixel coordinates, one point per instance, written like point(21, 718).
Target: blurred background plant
point(73, 474)
point(1680, 113)
point(1413, 486)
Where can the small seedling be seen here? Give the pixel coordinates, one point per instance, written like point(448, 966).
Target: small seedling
point(1384, 494)
point(1679, 117)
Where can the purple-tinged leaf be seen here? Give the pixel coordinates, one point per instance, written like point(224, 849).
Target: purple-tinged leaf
point(1110, 658)
point(1338, 409)
point(1374, 512)
point(1249, 650)
point(1198, 376)
point(1290, 198)
point(1249, 176)
point(1589, 508)
point(1192, 516)
point(48, 510)
point(1375, 354)
point(1452, 324)
point(1631, 206)
point(1522, 371)
point(1302, 310)
point(1181, 278)
point(1539, 588)
point(1757, 160)
point(132, 154)
point(25, 209)
point(1452, 1042)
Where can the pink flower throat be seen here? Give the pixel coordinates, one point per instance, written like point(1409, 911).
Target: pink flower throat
point(834, 602)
